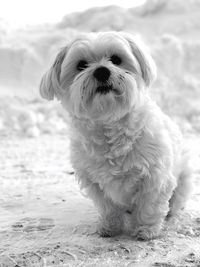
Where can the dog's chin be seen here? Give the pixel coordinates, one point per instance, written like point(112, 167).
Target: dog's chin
point(108, 104)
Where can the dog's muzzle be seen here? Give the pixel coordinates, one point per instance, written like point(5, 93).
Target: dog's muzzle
point(102, 75)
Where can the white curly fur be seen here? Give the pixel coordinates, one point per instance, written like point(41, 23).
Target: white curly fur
point(127, 154)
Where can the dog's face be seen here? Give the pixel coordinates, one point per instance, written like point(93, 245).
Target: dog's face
point(99, 76)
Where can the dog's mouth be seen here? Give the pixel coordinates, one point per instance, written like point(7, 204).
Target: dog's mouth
point(105, 89)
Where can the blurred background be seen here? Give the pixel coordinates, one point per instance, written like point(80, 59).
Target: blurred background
point(32, 32)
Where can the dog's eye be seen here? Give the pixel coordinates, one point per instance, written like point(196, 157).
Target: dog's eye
point(82, 65)
point(116, 59)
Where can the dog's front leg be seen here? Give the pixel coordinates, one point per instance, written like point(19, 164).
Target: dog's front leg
point(151, 210)
point(111, 216)
point(111, 221)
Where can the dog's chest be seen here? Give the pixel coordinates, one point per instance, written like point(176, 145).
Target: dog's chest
point(110, 149)
point(117, 159)
point(114, 167)
point(110, 158)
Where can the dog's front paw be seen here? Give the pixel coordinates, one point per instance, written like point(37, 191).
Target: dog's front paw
point(146, 232)
point(106, 231)
point(103, 232)
point(110, 225)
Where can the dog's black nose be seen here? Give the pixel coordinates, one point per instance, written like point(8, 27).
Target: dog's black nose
point(102, 74)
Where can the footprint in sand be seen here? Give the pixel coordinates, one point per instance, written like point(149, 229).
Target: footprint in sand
point(33, 224)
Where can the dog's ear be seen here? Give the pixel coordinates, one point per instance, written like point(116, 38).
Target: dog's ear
point(146, 62)
point(50, 83)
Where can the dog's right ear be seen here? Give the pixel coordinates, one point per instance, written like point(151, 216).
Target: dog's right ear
point(50, 83)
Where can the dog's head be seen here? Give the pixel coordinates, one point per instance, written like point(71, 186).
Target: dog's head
point(100, 76)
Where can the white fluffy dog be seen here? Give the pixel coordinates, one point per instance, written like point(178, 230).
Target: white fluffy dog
point(126, 153)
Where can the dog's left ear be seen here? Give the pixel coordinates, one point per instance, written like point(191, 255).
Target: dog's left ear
point(146, 62)
point(50, 83)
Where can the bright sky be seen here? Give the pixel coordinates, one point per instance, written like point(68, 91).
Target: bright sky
point(19, 13)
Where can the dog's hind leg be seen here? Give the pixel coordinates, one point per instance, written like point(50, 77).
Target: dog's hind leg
point(183, 190)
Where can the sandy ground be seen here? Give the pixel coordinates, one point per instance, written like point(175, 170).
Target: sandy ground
point(46, 221)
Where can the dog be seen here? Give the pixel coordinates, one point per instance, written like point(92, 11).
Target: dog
point(127, 154)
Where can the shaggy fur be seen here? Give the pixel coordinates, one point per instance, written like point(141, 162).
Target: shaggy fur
point(128, 155)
